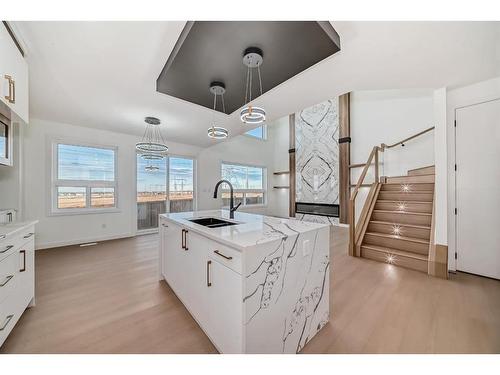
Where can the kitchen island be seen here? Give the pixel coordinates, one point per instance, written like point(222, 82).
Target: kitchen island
point(254, 284)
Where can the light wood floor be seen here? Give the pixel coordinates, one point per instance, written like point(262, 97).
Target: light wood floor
point(106, 299)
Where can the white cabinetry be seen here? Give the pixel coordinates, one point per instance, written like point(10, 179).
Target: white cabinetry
point(210, 290)
point(17, 277)
point(13, 76)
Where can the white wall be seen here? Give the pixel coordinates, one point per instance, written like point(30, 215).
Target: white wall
point(456, 98)
point(244, 150)
point(441, 173)
point(72, 229)
point(388, 116)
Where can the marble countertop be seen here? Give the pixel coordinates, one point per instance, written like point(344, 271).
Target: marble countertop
point(11, 228)
point(252, 229)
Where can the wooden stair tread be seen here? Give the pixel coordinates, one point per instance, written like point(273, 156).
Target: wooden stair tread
point(403, 238)
point(391, 201)
point(403, 212)
point(402, 225)
point(389, 250)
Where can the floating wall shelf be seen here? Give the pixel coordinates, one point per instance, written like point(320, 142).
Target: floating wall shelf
point(282, 172)
point(281, 187)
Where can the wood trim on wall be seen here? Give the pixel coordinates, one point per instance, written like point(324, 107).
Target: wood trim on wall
point(291, 163)
point(344, 156)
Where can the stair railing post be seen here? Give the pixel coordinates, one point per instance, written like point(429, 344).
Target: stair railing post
point(376, 164)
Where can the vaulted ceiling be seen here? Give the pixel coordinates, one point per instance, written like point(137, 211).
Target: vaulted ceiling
point(103, 74)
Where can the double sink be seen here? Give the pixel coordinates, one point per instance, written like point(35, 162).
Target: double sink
point(212, 222)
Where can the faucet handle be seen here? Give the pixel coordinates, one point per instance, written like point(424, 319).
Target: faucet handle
point(235, 208)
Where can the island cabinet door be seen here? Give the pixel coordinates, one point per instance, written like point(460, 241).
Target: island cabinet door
point(225, 307)
point(171, 256)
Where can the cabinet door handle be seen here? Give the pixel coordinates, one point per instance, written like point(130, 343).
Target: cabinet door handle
point(7, 279)
point(222, 255)
point(164, 225)
point(6, 249)
point(6, 322)
point(12, 89)
point(186, 240)
point(182, 239)
point(209, 283)
point(29, 235)
point(24, 260)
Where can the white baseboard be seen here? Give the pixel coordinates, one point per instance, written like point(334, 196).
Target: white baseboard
point(49, 245)
point(343, 225)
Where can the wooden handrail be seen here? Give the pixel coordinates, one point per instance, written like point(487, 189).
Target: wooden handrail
point(352, 201)
point(384, 146)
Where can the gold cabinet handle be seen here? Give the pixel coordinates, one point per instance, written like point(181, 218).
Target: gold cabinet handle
point(7, 248)
point(12, 89)
point(222, 255)
point(6, 322)
point(24, 260)
point(209, 283)
point(7, 279)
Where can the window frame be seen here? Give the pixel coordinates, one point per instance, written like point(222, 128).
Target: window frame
point(55, 183)
point(264, 133)
point(264, 189)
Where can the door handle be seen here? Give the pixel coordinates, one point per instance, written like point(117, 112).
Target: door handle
point(209, 283)
point(222, 255)
point(7, 279)
point(6, 249)
point(6, 322)
point(24, 260)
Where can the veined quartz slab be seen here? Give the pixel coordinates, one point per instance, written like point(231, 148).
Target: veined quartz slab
point(285, 276)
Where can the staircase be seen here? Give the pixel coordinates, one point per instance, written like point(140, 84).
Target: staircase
point(400, 220)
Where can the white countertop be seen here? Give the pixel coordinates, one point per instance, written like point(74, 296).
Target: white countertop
point(253, 229)
point(11, 228)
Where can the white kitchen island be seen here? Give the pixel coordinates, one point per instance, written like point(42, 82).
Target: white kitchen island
point(259, 286)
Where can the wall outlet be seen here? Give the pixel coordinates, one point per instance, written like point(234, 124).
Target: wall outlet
point(306, 249)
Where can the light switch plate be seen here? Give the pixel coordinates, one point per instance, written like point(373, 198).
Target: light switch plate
point(306, 250)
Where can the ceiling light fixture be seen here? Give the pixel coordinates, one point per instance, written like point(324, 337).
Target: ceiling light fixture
point(253, 59)
point(152, 144)
point(217, 132)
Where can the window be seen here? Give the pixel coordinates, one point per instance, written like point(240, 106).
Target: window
point(83, 178)
point(167, 188)
point(260, 132)
point(249, 184)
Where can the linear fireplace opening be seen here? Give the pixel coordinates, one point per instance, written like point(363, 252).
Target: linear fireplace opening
point(321, 209)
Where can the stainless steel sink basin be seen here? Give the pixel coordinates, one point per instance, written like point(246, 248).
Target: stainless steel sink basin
point(212, 222)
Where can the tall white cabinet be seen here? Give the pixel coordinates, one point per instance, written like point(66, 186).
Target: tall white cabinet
point(13, 76)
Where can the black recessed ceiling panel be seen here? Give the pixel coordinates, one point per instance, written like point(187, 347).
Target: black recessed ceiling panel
point(213, 51)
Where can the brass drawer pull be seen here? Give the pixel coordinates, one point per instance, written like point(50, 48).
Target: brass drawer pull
point(7, 320)
point(7, 249)
point(12, 89)
point(222, 255)
point(24, 260)
point(209, 283)
point(7, 279)
point(29, 235)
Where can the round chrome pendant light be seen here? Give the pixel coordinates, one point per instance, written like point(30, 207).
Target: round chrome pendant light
point(253, 59)
point(218, 89)
point(152, 141)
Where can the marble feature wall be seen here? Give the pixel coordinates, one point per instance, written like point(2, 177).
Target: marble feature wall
point(286, 288)
point(317, 157)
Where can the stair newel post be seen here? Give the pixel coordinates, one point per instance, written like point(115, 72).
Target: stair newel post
point(376, 164)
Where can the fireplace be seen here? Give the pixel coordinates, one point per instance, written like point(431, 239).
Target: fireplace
point(320, 209)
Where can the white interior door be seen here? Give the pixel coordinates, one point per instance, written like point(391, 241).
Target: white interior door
point(478, 189)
